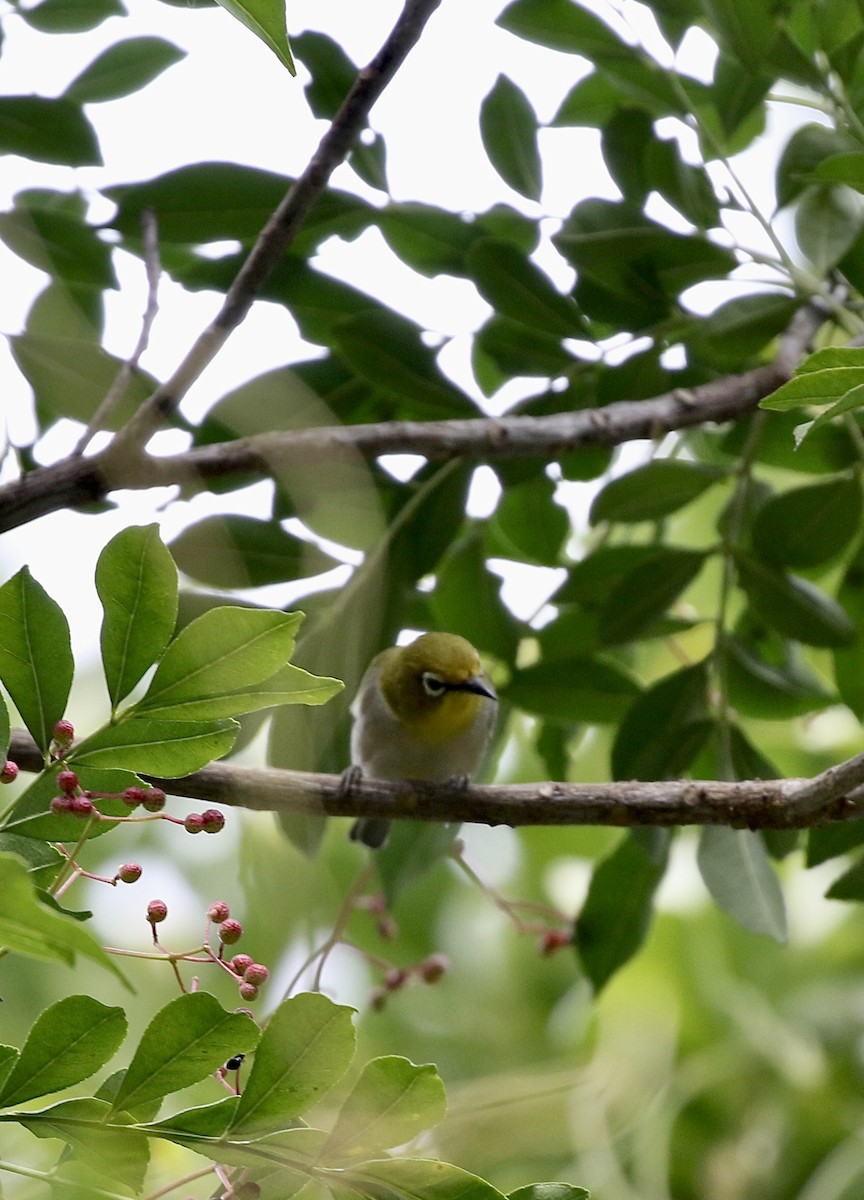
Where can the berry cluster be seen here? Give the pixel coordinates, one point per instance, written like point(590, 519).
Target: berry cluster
point(250, 975)
point(430, 970)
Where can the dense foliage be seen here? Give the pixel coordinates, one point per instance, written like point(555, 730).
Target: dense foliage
point(656, 430)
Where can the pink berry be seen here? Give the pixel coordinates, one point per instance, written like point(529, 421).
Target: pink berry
point(133, 796)
point(67, 781)
point(81, 806)
point(9, 771)
point(129, 873)
point(240, 962)
point(62, 804)
point(256, 973)
point(157, 911)
point(248, 991)
point(218, 912)
point(213, 820)
point(552, 940)
point(395, 979)
point(433, 968)
point(194, 823)
point(63, 733)
point(154, 799)
point(230, 931)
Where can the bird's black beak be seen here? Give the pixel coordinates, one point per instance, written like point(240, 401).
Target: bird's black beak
point(478, 686)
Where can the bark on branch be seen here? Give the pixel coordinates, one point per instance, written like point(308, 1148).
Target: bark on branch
point(835, 795)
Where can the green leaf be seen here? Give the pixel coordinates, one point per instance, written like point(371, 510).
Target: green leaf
point(165, 748)
point(849, 886)
point(653, 491)
point(516, 349)
point(549, 1191)
point(665, 727)
point(28, 927)
point(137, 583)
point(417, 1178)
point(412, 850)
point(30, 816)
point(60, 244)
point(793, 606)
point(69, 1042)
point(207, 1120)
point(234, 551)
point(112, 1151)
point(823, 378)
point(392, 1102)
point(122, 69)
point(561, 25)
point(467, 600)
point(516, 288)
point(71, 375)
point(810, 525)
point(267, 21)
point(307, 1046)
point(809, 146)
point(528, 525)
point(290, 685)
point(386, 349)
point(829, 841)
point(431, 240)
point(508, 126)
point(847, 659)
point(737, 872)
point(35, 654)
point(223, 652)
point(5, 729)
point(770, 690)
point(53, 131)
point(573, 689)
point(71, 16)
point(187, 1040)
point(645, 592)
point(330, 69)
point(616, 915)
point(740, 328)
point(827, 222)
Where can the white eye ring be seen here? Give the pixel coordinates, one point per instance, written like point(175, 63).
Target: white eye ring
point(432, 685)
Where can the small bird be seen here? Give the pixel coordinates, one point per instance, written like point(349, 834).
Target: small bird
point(422, 711)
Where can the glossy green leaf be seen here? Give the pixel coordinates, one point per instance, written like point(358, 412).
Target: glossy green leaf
point(645, 592)
point(53, 131)
point(35, 654)
point(59, 244)
point(267, 21)
point(516, 288)
point(28, 927)
point(617, 912)
point(234, 551)
point(665, 728)
point(808, 526)
point(421, 1179)
point(392, 1102)
point(122, 69)
point(69, 1042)
point(737, 872)
point(187, 1040)
point(31, 815)
point(793, 606)
point(153, 746)
point(823, 378)
point(431, 240)
point(307, 1046)
point(573, 689)
point(71, 16)
point(508, 126)
point(386, 349)
point(652, 491)
point(116, 1153)
point(224, 651)
point(137, 584)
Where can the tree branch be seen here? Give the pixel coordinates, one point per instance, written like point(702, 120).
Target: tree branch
point(78, 481)
point(835, 795)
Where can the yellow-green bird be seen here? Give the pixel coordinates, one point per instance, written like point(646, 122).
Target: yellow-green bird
point(422, 711)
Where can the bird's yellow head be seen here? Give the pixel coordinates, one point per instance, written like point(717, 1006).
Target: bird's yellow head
point(435, 685)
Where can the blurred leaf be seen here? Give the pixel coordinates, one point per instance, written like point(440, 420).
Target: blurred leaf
point(267, 21)
point(528, 525)
point(53, 131)
point(61, 245)
point(411, 851)
point(137, 584)
point(69, 1042)
point(5, 728)
point(237, 551)
point(508, 126)
point(771, 691)
point(808, 526)
point(848, 659)
point(849, 886)
point(665, 727)
point(331, 72)
point(830, 841)
point(467, 600)
point(740, 328)
point(36, 664)
point(645, 592)
point(549, 1191)
point(561, 25)
point(71, 16)
point(431, 240)
point(617, 912)
point(793, 606)
point(122, 69)
point(369, 160)
point(516, 288)
point(827, 222)
point(573, 689)
point(187, 1040)
point(653, 491)
point(392, 1102)
point(307, 1046)
point(516, 349)
point(737, 872)
point(823, 378)
point(805, 150)
point(421, 1179)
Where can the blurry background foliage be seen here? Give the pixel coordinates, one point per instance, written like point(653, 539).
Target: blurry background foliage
point(695, 605)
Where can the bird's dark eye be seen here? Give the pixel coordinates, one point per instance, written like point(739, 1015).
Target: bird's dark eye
point(432, 685)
